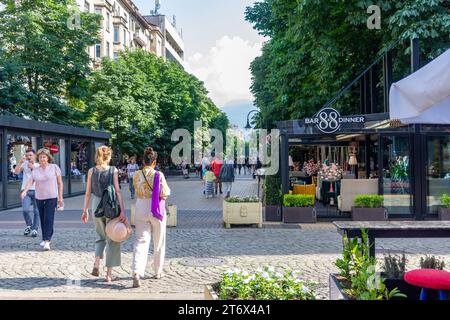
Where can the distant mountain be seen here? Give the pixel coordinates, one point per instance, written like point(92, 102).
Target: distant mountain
point(237, 112)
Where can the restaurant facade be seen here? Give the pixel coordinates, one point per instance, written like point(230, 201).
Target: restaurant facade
point(73, 149)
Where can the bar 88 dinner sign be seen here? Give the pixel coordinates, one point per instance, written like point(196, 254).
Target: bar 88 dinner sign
point(329, 120)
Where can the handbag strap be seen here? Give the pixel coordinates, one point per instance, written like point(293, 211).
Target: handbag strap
point(145, 178)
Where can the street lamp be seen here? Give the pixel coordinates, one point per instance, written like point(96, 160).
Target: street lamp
point(248, 126)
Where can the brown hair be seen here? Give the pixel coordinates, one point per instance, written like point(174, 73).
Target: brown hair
point(103, 155)
point(150, 156)
point(45, 152)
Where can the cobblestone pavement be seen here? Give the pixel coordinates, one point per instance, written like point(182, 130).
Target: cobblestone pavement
point(198, 251)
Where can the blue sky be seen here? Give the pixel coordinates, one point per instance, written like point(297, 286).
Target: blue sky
point(219, 43)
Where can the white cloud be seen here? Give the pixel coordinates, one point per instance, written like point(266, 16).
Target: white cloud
point(225, 69)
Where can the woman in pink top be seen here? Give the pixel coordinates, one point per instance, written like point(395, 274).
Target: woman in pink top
point(49, 193)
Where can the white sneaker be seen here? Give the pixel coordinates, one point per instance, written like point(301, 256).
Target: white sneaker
point(42, 244)
point(47, 246)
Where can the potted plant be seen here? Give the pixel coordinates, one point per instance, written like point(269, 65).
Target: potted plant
point(394, 269)
point(242, 210)
point(264, 284)
point(431, 262)
point(272, 198)
point(369, 208)
point(444, 212)
point(358, 278)
point(299, 208)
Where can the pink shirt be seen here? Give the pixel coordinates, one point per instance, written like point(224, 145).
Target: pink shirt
point(46, 182)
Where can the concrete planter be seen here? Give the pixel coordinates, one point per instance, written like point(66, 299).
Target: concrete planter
point(336, 291)
point(210, 292)
point(172, 216)
point(242, 213)
point(299, 215)
point(369, 214)
point(273, 214)
point(444, 214)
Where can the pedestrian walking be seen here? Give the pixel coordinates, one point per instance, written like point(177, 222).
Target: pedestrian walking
point(216, 165)
point(150, 217)
point(25, 167)
point(49, 190)
point(99, 179)
point(205, 163)
point(227, 176)
point(131, 169)
point(209, 179)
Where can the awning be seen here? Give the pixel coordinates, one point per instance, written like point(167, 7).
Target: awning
point(424, 96)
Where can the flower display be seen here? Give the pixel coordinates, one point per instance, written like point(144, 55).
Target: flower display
point(330, 173)
point(311, 168)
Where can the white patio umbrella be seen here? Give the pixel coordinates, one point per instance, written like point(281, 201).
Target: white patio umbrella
point(424, 96)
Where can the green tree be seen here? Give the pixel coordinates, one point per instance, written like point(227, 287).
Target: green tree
point(318, 46)
point(45, 62)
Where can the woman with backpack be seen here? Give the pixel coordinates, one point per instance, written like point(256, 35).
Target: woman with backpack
point(100, 178)
point(150, 217)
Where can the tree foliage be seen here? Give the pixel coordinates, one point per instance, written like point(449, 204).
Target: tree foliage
point(318, 46)
point(155, 97)
point(44, 63)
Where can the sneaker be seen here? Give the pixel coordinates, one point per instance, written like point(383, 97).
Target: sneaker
point(42, 244)
point(47, 246)
point(34, 233)
point(27, 231)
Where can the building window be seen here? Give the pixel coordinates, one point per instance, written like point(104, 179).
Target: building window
point(116, 35)
point(107, 48)
point(98, 51)
point(124, 37)
point(108, 21)
point(126, 17)
point(115, 55)
point(87, 6)
point(98, 10)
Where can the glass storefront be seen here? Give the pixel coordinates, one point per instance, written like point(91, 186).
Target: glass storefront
point(437, 171)
point(57, 147)
point(79, 165)
point(17, 147)
point(397, 188)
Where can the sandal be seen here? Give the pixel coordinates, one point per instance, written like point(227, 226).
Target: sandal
point(96, 272)
point(110, 278)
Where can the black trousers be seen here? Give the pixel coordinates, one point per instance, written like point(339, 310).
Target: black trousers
point(47, 210)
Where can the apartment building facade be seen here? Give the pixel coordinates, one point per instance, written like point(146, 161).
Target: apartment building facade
point(122, 28)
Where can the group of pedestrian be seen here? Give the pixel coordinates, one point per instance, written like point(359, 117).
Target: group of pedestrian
point(42, 188)
point(217, 176)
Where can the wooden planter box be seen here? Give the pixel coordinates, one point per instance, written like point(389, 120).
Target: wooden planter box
point(242, 213)
point(273, 214)
point(369, 214)
point(210, 292)
point(172, 216)
point(299, 215)
point(444, 214)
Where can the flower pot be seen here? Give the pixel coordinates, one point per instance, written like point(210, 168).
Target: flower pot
point(210, 292)
point(242, 213)
point(273, 214)
point(172, 216)
point(299, 215)
point(336, 291)
point(444, 214)
point(369, 214)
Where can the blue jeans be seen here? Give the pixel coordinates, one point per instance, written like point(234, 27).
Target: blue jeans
point(132, 191)
point(27, 202)
point(47, 210)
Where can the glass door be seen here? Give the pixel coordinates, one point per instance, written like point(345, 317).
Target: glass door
point(438, 171)
point(397, 180)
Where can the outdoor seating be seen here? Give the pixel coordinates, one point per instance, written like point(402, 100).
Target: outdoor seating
point(429, 279)
point(350, 188)
point(305, 189)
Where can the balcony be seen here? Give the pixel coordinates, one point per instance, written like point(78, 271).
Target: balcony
point(140, 37)
point(120, 20)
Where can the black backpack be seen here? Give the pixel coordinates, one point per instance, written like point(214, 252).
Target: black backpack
point(108, 206)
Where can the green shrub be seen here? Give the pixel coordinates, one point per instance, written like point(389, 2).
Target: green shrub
point(369, 201)
point(446, 200)
point(395, 267)
point(298, 200)
point(242, 199)
point(272, 191)
point(431, 262)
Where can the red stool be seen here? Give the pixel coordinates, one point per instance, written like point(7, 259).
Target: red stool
point(429, 279)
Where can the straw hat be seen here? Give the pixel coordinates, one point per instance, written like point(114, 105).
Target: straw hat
point(118, 231)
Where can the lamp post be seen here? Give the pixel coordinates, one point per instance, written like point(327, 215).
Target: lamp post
point(248, 126)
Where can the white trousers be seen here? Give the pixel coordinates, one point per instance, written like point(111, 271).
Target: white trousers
point(147, 227)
